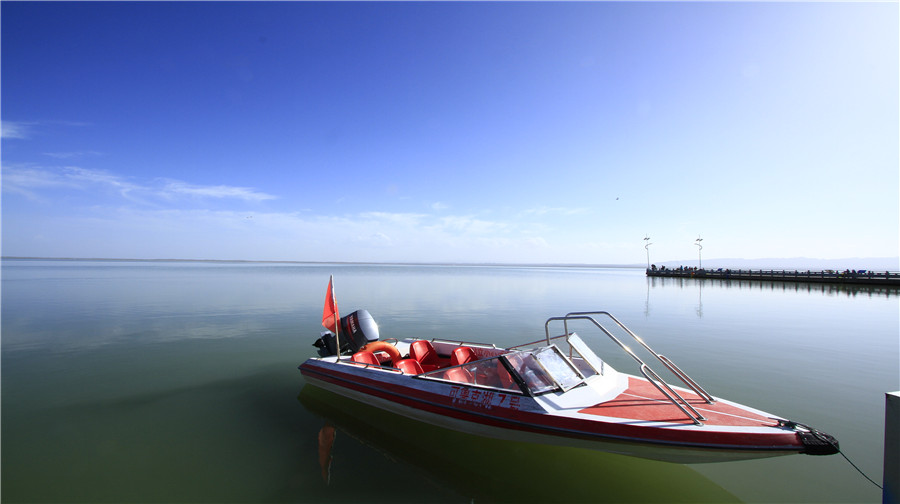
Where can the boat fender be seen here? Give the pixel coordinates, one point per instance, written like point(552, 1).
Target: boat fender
point(383, 346)
point(818, 443)
point(815, 442)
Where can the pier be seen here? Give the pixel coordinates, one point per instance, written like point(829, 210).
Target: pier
point(858, 277)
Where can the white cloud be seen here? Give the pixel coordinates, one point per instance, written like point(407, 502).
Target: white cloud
point(470, 225)
point(28, 177)
point(403, 219)
point(19, 177)
point(30, 180)
point(11, 129)
point(24, 130)
point(70, 155)
point(27, 181)
point(102, 178)
point(378, 239)
point(144, 232)
point(219, 191)
point(152, 226)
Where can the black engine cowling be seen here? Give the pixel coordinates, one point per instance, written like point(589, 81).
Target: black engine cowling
point(355, 331)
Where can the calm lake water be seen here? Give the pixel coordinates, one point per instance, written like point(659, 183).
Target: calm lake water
point(178, 382)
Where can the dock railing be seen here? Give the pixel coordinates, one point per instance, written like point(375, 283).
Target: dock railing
point(648, 373)
point(858, 277)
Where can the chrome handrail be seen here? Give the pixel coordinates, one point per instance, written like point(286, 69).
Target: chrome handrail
point(694, 415)
point(693, 385)
point(490, 346)
point(532, 343)
point(648, 372)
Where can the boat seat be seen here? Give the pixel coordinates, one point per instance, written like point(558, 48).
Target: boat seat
point(459, 374)
point(506, 379)
point(410, 366)
point(365, 358)
point(423, 352)
point(462, 355)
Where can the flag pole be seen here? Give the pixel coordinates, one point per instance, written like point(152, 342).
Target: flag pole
point(337, 325)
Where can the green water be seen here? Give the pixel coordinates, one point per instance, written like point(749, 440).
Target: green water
point(177, 382)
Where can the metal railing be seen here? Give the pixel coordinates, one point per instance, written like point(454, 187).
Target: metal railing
point(859, 277)
point(648, 372)
point(489, 346)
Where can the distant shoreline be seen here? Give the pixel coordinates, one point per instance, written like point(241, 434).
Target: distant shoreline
point(361, 263)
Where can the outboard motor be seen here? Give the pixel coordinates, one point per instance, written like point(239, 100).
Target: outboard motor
point(356, 330)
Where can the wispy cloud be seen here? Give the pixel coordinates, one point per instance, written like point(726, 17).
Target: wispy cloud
point(171, 216)
point(175, 187)
point(72, 155)
point(24, 130)
point(380, 238)
point(389, 236)
point(13, 129)
point(102, 178)
point(30, 181)
point(396, 218)
point(471, 225)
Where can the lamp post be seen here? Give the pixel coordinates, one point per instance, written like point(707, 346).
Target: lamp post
point(699, 251)
point(647, 247)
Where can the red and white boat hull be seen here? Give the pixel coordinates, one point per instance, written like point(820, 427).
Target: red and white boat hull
point(637, 421)
point(553, 391)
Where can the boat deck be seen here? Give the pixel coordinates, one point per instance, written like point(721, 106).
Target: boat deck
point(642, 402)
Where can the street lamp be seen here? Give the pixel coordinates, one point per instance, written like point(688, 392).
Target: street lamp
point(647, 247)
point(699, 250)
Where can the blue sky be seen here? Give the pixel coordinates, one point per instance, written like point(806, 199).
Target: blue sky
point(459, 131)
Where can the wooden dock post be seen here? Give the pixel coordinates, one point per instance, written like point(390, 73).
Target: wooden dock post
point(891, 483)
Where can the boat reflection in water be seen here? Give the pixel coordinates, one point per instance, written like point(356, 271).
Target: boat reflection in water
point(326, 442)
point(486, 469)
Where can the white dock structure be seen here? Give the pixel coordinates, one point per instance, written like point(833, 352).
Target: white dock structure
point(891, 483)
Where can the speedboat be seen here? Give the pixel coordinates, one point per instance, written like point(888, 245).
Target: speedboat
point(555, 391)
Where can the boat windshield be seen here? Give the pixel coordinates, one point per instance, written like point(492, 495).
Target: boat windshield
point(486, 373)
point(544, 369)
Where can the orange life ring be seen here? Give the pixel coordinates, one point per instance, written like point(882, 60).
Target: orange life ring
point(384, 346)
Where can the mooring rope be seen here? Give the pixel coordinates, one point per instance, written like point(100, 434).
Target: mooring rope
point(825, 439)
point(821, 436)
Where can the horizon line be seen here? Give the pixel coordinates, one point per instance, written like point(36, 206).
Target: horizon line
point(423, 263)
point(288, 261)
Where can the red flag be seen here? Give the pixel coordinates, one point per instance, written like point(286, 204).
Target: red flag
point(330, 313)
